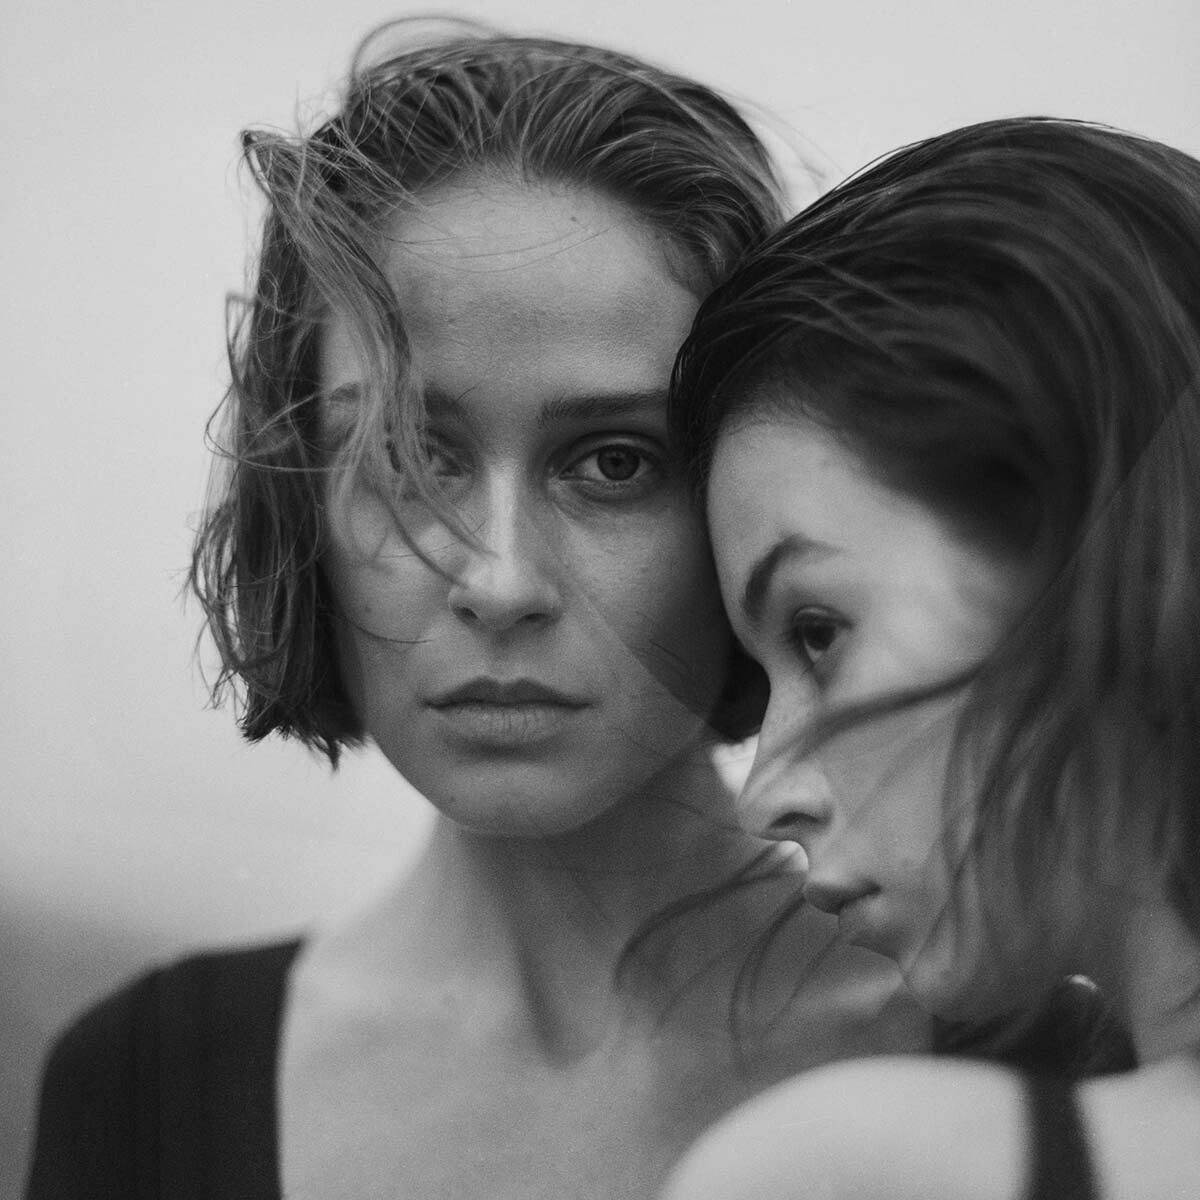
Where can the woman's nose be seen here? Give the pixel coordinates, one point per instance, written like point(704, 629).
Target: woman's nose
point(785, 800)
point(509, 577)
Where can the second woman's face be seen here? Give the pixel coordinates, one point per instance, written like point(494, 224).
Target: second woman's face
point(849, 592)
point(530, 682)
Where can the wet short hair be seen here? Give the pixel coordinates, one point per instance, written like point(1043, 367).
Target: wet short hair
point(1004, 322)
point(420, 111)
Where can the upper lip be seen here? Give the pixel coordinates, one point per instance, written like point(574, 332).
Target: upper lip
point(833, 897)
point(509, 692)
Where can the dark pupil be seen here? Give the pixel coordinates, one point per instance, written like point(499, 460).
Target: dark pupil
point(817, 635)
point(617, 464)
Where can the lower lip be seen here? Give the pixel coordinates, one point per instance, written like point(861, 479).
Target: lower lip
point(854, 923)
point(507, 725)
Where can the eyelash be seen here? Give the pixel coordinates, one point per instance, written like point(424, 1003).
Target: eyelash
point(808, 617)
point(438, 448)
point(433, 449)
point(647, 460)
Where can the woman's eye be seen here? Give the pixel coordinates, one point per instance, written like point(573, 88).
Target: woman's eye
point(440, 459)
point(612, 464)
point(813, 633)
point(618, 463)
point(438, 467)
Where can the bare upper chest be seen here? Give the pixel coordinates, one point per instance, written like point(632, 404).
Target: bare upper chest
point(419, 1104)
point(401, 1079)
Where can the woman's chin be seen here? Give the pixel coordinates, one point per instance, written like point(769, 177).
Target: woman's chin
point(949, 993)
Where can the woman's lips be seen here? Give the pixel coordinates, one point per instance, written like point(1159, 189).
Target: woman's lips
point(505, 692)
point(844, 901)
point(505, 714)
point(863, 919)
point(834, 897)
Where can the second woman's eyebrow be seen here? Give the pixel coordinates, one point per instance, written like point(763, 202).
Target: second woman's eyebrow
point(758, 584)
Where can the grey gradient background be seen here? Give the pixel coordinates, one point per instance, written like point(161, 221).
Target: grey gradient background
point(133, 824)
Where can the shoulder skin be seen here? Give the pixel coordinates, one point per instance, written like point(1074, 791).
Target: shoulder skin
point(869, 1129)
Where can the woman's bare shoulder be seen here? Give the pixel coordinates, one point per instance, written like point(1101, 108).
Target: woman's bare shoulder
point(870, 1128)
point(1142, 1128)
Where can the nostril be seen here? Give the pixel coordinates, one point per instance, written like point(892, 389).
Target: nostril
point(786, 826)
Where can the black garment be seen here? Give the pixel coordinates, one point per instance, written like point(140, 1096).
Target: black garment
point(1074, 1034)
point(166, 1090)
point(1061, 1165)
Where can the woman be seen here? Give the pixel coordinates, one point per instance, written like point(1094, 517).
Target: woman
point(949, 421)
point(452, 522)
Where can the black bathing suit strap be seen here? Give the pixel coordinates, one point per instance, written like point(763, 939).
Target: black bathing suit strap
point(1061, 1167)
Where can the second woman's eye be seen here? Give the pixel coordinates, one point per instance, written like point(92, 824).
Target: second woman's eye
point(813, 633)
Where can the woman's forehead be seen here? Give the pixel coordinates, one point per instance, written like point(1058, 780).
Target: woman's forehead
point(556, 291)
point(521, 251)
point(475, 220)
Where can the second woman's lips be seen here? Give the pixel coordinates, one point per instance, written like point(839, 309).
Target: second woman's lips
point(832, 898)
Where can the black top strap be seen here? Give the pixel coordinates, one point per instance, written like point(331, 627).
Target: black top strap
point(1060, 1162)
point(1074, 1033)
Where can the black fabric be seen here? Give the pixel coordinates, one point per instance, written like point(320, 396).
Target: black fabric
point(1075, 1035)
point(166, 1090)
point(1060, 1165)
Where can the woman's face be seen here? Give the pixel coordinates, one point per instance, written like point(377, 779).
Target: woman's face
point(532, 682)
point(848, 591)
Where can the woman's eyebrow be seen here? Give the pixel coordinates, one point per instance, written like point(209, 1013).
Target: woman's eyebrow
point(617, 404)
point(758, 585)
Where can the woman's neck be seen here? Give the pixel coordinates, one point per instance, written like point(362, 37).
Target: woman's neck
point(535, 929)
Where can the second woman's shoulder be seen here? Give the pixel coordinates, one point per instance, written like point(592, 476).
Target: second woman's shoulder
point(900, 1128)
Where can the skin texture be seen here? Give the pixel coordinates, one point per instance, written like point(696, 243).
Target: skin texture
point(883, 1129)
point(543, 324)
point(859, 592)
point(463, 1036)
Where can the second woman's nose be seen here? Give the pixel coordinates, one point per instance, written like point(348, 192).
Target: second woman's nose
point(784, 799)
point(510, 576)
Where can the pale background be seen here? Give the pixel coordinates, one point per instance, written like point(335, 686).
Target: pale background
point(134, 825)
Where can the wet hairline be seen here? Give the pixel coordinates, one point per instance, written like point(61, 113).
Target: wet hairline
point(506, 176)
